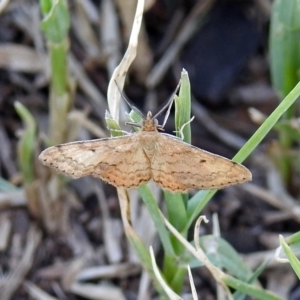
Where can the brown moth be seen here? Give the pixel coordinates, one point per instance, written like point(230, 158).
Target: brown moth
point(134, 159)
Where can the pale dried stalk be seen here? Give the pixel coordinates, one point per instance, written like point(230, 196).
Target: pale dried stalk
point(199, 253)
point(172, 295)
point(84, 31)
point(292, 210)
point(110, 36)
point(36, 293)
point(143, 61)
point(12, 199)
point(112, 239)
point(22, 59)
point(97, 291)
point(5, 231)
point(3, 5)
point(119, 74)
point(121, 270)
point(16, 277)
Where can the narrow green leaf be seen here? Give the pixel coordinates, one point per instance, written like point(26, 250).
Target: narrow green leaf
point(240, 296)
point(144, 257)
point(248, 289)
point(56, 23)
point(112, 125)
point(284, 45)
point(26, 143)
point(293, 239)
point(46, 6)
point(183, 108)
point(155, 213)
point(295, 264)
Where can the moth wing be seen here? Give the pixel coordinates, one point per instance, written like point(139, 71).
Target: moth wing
point(179, 167)
point(118, 161)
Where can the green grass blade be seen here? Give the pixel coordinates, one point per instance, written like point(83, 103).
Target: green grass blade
point(26, 143)
point(284, 45)
point(240, 296)
point(183, 108)
point(249, 289)
point(294, 262)
point(284, 63)
point(155, 213)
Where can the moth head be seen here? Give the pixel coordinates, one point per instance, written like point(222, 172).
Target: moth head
point(150, 123)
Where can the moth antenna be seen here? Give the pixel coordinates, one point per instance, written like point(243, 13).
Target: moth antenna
point(134, 124)
point(167, 105)
point(125, 98)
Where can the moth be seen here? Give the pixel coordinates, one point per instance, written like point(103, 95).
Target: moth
point(131, 160)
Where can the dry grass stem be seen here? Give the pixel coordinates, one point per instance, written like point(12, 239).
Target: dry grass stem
point(112, 230)
point(110, 36)
point(13, 199)
point(17, 276)
point(144, 287)
point(121, 270)
point(3, 5)
point(84, 31)
point(95, 292)
point(21, 58)
point(46, 204)
point(125, 210)
point(229, 138)
point(88, 87)
point(199, 253)
point(36, 293)
point(5, 154)
point(141, 218)
point(143, 61)
point(193, 288)
point(281, 281)
point(120, 72)
point(288, 210)
point(74, 268)
point(5, 232)
point(166, 288)
point(80, 118)
point(90, 10)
